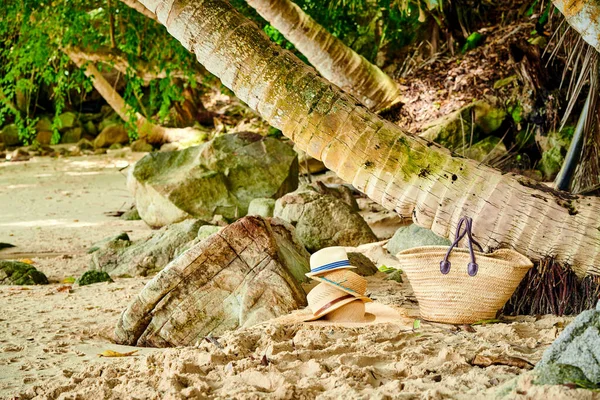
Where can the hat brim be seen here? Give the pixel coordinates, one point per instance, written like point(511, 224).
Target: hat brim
point(340, 287)
point(334, 307)
point(318, 273)
point(383, 315)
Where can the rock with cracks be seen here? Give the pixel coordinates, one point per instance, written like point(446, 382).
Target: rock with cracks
point(322, 220)
point(220, 177)
point(247, 273)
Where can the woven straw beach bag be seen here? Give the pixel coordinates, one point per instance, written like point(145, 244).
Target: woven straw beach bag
point(462, 286)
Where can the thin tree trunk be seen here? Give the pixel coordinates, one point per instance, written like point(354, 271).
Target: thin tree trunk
point(402, 172)
point(584, 17)
point(337, 62)
point(153, 133)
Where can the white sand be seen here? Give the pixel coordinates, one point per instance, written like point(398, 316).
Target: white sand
point(50, 338)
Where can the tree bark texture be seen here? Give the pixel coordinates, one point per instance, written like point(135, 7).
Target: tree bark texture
point(584, 17)
point(334, 60)
point(404, 173)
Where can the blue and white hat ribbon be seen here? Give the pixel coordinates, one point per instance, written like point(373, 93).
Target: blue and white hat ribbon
point(329, 259)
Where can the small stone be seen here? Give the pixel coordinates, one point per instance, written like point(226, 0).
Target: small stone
point(67, 121)
point(10, 135)
point(365, 266)
point(93, 276)
point(44, 137)
point(207, 230)
point(19, 155)
point(90, 128)
point(263, 207)
point(71, 135)
point(141, 146)
point(412, 236)
point(110, 135)
point(131, 215)
point(85, 144)
point(19, 273)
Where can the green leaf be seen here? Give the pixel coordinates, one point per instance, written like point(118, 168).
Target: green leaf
point(416, 324)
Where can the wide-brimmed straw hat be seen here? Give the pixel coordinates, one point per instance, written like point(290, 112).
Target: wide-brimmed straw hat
point(347, 281)
point(324, 299)
point(328, 259)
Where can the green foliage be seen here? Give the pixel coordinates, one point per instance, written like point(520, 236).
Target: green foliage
point(473, 41)
point(370, 26)
point(36, 75)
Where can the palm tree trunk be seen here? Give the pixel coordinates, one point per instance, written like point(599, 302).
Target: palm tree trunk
point(584, 17)
point(337, 62)
point(152, 133)
point(404, 173)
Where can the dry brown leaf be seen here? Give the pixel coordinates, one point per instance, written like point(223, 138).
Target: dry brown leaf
point(486, 361)
point(111, 353)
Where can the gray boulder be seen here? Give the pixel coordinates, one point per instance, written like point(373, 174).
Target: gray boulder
point(220, 177)
point(246, 274)
point(72, 135)
point(574, 357)
point(413, 235)
point(322, 220)
point(364, 266)
point(121, 256)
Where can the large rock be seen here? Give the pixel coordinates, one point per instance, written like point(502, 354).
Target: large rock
point(574, 357)
point(263, 207)
point(245, 274)
point(120, 256)
point(413, 235)
point(322, 220)
point(112, 134)
point(219, 177)
point(308, 164)
point(10, 135)
point(19, 273)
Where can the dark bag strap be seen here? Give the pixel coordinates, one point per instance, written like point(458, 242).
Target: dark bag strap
point(472, 267)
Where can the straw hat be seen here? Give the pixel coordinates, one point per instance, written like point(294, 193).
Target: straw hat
point(347, 281)
point(324, 299)
point(328, 259)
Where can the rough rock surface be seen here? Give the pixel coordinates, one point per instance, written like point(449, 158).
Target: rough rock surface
point(322, 220)
point(487, 149)
point(574, 357)
point(120, 256)
point(413, 235)
point(206, 230)
point(247, 273)
point(19, 273)
point(219, 177)
point(112, 134)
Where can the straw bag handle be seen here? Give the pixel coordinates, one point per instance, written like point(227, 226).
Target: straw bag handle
point(472, 267)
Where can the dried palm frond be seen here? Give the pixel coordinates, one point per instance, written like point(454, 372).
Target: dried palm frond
point(581, 169)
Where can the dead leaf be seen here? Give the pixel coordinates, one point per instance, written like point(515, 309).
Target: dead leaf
point(264, 360)
point(112, 353)
point(64, 288)
point(467, 328)
point(486, 361)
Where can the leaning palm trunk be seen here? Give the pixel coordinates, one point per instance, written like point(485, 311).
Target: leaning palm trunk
point(154, 134)
point(584, 17)
point(329, 55)
point(402, 172)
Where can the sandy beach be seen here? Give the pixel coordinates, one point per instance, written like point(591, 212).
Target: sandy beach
point(51, 336)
